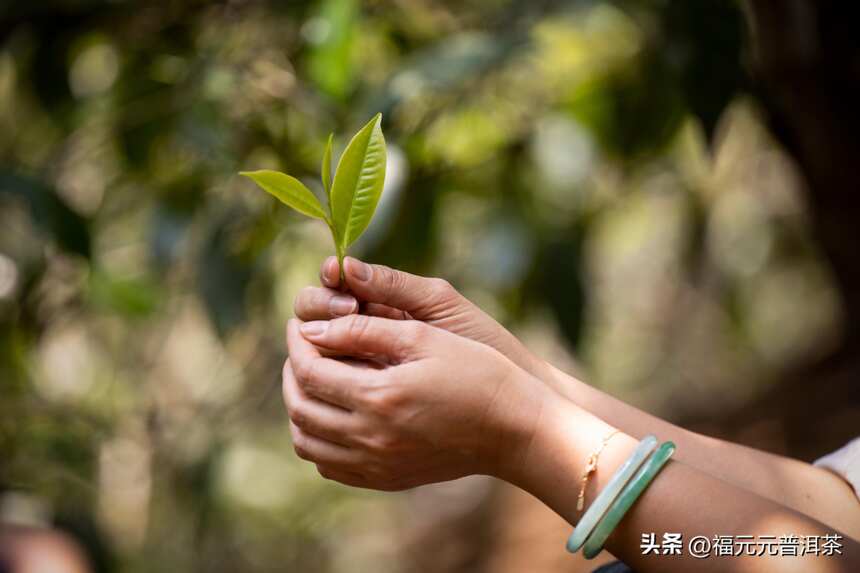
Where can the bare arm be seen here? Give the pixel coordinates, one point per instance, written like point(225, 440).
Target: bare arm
point(387, 292)
point(682, 499)
point(438, 406)
point(813, 491)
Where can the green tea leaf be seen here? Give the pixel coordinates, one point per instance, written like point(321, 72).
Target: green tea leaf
point(326, 169)
point(352, 195)
point(289, 190)
point(358, 182)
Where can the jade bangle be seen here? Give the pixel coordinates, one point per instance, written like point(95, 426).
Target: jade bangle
point(627, 498)
point(618, 480)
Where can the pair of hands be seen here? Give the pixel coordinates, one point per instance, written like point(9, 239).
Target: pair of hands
point(421, 387)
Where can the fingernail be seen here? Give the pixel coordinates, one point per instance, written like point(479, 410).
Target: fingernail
point(358, 270)
point(328, 271)
point(314, 328)
point(342, 305)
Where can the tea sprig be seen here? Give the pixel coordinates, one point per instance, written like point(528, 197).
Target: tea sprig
point(352, 195)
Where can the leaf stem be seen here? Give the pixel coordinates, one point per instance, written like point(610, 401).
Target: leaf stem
point(340, 255)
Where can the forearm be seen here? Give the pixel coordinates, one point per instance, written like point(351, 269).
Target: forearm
point(813, 491)
point(682, 499)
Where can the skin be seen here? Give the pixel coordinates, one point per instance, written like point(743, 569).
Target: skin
point(434, 389)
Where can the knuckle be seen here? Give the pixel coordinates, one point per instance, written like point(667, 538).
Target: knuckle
point(300, 446)
point(299, 415)
point(387, 404)
point(325, 472)
point(391, 280)
point(305, 372)
point(416, 332)
point(365, 439)
point(384, 443)
point(412, 336)
point(441, 287)
point(301, 452)
point(357, 326)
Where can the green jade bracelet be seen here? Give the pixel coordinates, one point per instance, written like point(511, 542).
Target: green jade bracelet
point(626, 499)
point(608, 494)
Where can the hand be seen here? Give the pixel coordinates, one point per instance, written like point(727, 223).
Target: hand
point(394, 294)
point(430, 407)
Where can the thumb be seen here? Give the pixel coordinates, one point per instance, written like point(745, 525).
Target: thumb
point(423, 298)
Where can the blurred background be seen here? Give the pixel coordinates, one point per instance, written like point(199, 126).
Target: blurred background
point(658, 195)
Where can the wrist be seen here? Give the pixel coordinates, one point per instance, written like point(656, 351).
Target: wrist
point(562, 442)
point(519, 410)
point(555, 444)
point(533, 431)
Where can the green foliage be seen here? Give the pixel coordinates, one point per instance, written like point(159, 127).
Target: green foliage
point(358, 183)
point(289, 190)
point(352, 197)
point(542, 156)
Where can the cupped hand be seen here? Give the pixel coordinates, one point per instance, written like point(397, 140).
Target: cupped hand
point(422, 406)
point(393, 294)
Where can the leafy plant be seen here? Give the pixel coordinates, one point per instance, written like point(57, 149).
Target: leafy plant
point(352, 196)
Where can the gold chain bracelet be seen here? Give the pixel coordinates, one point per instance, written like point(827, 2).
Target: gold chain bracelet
point(590, 467)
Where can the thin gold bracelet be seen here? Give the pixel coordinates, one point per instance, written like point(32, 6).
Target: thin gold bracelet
point(590, 467)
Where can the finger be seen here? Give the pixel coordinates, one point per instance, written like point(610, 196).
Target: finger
point(319, 451)
point(366, 362)
point(329, 380)
point(330, 273)
point(384, 311)
point(421, 297)
point(356, 479)
point(353, 479)
point(319, 303)
point(395, 341)
point(316, 417)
